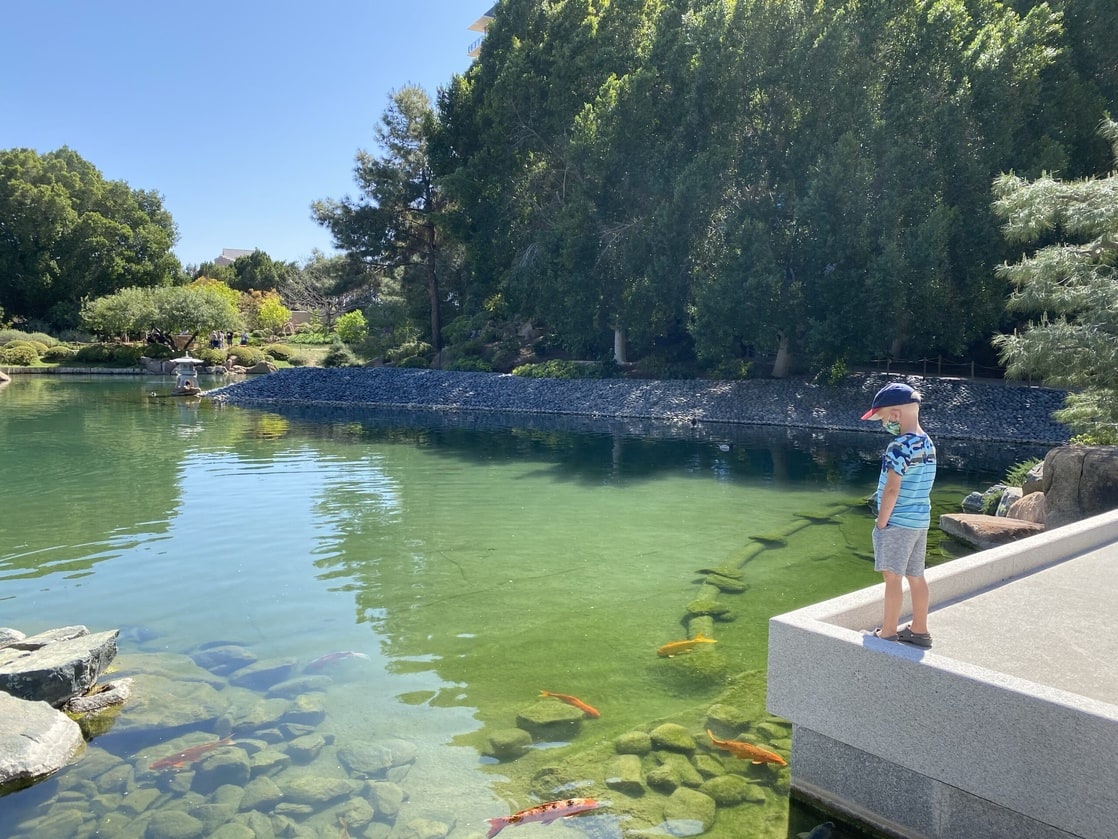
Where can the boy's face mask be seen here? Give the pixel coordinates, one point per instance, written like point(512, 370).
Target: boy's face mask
point(892, 426)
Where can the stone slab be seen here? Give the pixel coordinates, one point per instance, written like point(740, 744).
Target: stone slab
point(35, 741)
point(56, 672)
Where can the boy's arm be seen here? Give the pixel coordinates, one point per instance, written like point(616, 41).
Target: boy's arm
point(888, 500)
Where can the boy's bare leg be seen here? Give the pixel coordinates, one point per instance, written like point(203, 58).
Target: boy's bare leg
point(918, 589)
point(894, 595)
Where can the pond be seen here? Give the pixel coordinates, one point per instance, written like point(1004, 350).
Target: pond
point(358, 610)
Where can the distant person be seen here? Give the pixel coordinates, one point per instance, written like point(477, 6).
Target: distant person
point(244, 339)
point(904, 511)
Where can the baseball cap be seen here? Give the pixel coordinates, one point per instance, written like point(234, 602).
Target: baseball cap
point(890, 396)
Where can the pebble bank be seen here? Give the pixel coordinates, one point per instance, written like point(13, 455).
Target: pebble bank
point(952, 408)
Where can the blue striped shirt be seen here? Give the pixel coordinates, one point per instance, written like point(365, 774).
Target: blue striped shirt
point(913, 457)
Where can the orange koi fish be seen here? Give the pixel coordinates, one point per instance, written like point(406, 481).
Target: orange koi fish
point(546, 813)
point(676, 647)
point(747, 751)
point(572, 700)
point(188, 756)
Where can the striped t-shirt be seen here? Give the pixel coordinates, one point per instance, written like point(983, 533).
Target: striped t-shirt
point(913, 457)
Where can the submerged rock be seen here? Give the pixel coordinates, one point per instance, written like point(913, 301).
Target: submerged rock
point(35, 741)
point(673, 737)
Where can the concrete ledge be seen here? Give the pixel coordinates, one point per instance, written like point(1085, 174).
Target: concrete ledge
point(1008, 727)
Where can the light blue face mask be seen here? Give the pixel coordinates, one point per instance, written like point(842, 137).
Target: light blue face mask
point(892, 426)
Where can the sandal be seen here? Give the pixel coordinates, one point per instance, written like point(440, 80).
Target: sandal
point(917, 639)
point(876, 633)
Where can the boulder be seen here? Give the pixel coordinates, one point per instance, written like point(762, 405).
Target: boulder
point(35, 741)
point(1034, 480)
point(56, 671)
point(1079, 482)
point(984, 532)
point(1030, 507)
point(1010, 495)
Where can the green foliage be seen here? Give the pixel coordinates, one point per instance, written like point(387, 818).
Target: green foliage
point(409, 349)
point(271, 315)
point(59, 353)
point(1016, 474)
point(561, 369)
point(735, 369)
point(94, 353)
point(70, 234)
point(203, 307)
point(311, 337)
point(280, 352)
point(835, 374)
point(470, 364)
point(247, 356)
point(341, 355)
point(352, 328)
point(991, 499)
point(415, 361)
point(43, 338)
point(210, 356)
point(1069, 288)
point(18, 354)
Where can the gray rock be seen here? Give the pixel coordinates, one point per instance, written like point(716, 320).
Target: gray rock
point(101, 697)
point(195, 703)
point(1034, 480)
point(1010, 495)
point(262, 675)
point(633, 743)
point(316, 789)
point(227, 766)
point(269, 762)
point(233, 830)
point(387, 798)
point(625, 775)
point(972, 503)
point(8, 635)
point(306, 748)
point(1079, 482)
point(290, 688)
point(35, 741)
point(51, 636)
point(686, 808)
point(422, 828)
point(550, 721)
point(224, 659)
point(58, 670)
point(508, 743)
point(673, 737)
point(173, 824)
point(261, 794)
point(307, 709)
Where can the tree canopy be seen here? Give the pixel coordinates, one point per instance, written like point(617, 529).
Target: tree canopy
point(809, 180)
point(66, 234)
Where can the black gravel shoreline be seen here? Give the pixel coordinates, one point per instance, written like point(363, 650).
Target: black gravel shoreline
point(952, 409)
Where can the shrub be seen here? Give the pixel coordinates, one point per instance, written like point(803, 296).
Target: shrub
point(9, 335)
point(407, 350)
point(470, 364)
point(558, 368)
point(280, 352)
point(93, 354)
point(1016, 474)
point(159, 351)
point(210, 356)
point(340, 356)
point(35, 346)
point(297, 360)
point(20, 356)
point(44, 339)
point(126, 355)
point(248, 356)
point(352, 327)
point(59, 352)
point(310, 336)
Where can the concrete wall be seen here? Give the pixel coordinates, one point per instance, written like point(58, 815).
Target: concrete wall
point(923, 742)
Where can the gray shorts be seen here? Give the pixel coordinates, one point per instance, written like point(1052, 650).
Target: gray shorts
point(900, 550)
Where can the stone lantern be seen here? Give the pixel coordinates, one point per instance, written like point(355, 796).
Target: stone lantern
point(186, 381)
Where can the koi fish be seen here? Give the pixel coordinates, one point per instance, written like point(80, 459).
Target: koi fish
point(186, 757)
point(546, 813)
point(683, 646)
point(572, 700)
point(747, 751)
point(332, 658)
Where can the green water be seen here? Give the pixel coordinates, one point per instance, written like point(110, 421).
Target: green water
point(473, 564)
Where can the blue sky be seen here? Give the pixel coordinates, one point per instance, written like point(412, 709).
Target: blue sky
point(240, 112)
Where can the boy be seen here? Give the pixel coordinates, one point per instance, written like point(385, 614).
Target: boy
point(900, 534)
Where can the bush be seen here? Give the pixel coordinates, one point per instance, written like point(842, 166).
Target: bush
point(352, 327)
point(1016, 474)
point(126, 355)
point(59, 352)
point(35, 346)
point(311, 336)
point(340, 356)
point(558, 368)
point(407, 350)
point(248, 356)
point(297, 360)
point(9, 335)
point(44, 339)
point(470, 364)
point(20, 356)
point(158, 351)
point(94, 354)
point(280, 352)
point(210, 356)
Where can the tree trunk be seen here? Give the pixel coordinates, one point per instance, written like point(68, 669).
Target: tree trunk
point(783, 361)
point(433, 288)
point(619, 345)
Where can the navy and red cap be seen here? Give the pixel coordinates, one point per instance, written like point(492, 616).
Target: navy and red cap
point(891, 396)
